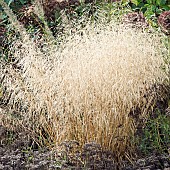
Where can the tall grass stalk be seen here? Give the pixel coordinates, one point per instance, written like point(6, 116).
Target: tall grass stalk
point(13, 19)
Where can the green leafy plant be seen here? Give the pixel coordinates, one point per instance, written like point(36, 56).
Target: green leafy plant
point(156, 135)
point(151, 8)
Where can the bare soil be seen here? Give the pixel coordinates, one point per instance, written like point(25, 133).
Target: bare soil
point(19, 154)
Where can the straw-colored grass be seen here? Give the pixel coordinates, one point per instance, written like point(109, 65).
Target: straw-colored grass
point(86, 89)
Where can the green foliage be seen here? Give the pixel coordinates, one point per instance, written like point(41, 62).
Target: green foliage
point(18, 1)
point(14, 5)
point(151, 8)
point(9, 1)
point(17, 4)
point(156, 135)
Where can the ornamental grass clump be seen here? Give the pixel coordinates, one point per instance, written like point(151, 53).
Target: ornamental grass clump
point(86, 89)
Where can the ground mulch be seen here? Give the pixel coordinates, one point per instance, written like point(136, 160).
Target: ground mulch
point(18, 156)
